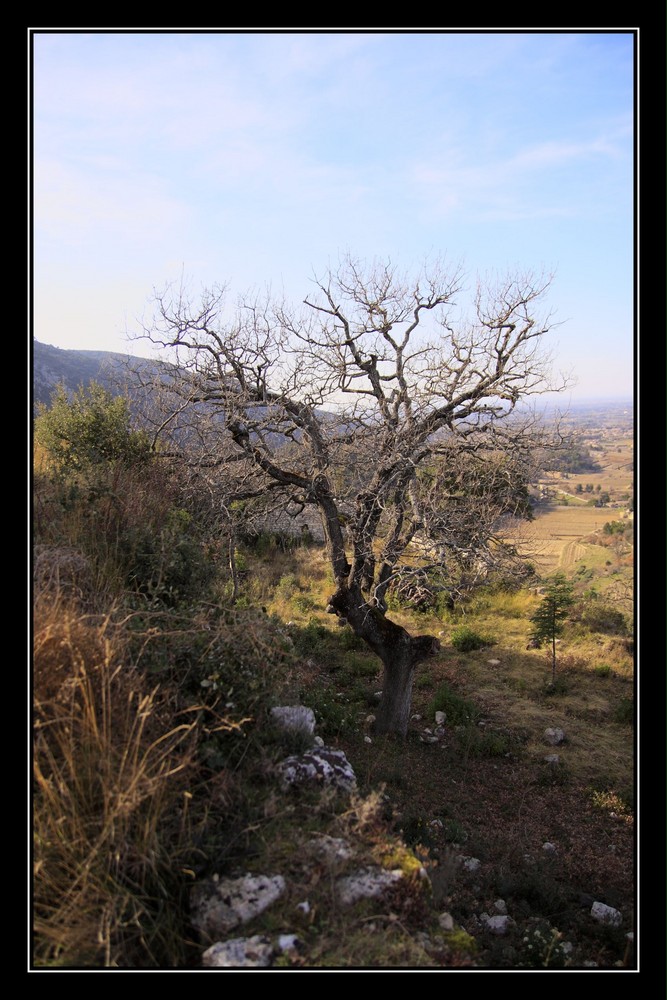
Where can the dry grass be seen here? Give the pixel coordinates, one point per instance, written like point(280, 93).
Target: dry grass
point(110, 801)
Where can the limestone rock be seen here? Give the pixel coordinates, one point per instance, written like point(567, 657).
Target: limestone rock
point(554, 737)
point(239, 953)
point(496, 925)
point(446, 921)
point(219, 906)
point(321, 766)
point(332, 848)
point(470, 864)
point(369, 883)
point(500, 906)
point(295, 718)
point(606, 914)
point(287, 942)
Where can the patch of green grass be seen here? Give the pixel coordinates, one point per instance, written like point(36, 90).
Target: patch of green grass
point(459, 710)
point(466, 639)
point(554, 688)
point(493, 743)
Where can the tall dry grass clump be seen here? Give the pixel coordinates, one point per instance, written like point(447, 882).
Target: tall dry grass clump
point(110, 800)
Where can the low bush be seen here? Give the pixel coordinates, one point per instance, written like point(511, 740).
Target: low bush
point(466, 639)
point(602, 618)
point(459, 710)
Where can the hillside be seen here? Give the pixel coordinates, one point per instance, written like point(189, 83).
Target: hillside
point(165, 666)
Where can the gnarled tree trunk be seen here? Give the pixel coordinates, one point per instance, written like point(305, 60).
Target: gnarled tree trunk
point(397, 649)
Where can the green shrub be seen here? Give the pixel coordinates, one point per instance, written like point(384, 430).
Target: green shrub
point(542, 947)
point(167, 564)
point(625, 711)
point(466, 639)
point(557, 686)
point(287, 586)
point(602, 618)
point(603, 670)
point(87, 429)
point(459, 710)
point(303, 603)
point(492, 743)
point(309, 638)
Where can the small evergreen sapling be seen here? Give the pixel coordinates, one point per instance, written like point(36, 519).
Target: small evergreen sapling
point(548, 619)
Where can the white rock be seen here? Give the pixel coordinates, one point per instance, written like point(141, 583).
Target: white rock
point(287, 942)
point(219, 906)
point(416, 717)
point(440, 718)
point(332, 848)
point(567, 947)
point(319, 742)
point(366, 884)
point(295, 718)
point(554, 737)
point(303, 906)
point(370, 718)
point(446, 921)
point(470, 864)
point(245, 953)
point(500, 906)
point(549, 848)
point(630, 935)
point(496, 925)
point(606, 914)
point(552, 758)
point(367, 739)
point(319, 766)
point(493, 663)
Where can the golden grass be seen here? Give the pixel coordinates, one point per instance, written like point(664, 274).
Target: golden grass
point(110, 794)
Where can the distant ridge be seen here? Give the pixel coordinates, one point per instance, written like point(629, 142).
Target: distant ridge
point(52, 366)
point(72, 368)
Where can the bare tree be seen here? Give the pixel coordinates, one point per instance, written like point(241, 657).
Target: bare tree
point(382, 405)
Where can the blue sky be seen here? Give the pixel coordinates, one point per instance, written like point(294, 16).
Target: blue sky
point(257, 159)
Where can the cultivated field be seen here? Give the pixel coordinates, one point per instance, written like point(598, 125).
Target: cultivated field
point(553, 540)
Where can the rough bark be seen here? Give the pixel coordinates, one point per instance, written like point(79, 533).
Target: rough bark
point(397, 649)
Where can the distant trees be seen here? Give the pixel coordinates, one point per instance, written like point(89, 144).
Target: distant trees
point(572, 458)
point(547, 621)
point(380, 405)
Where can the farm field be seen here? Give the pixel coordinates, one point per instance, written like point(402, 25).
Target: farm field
point(553, 540)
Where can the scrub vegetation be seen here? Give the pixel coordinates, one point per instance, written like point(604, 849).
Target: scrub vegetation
point(163, 636)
